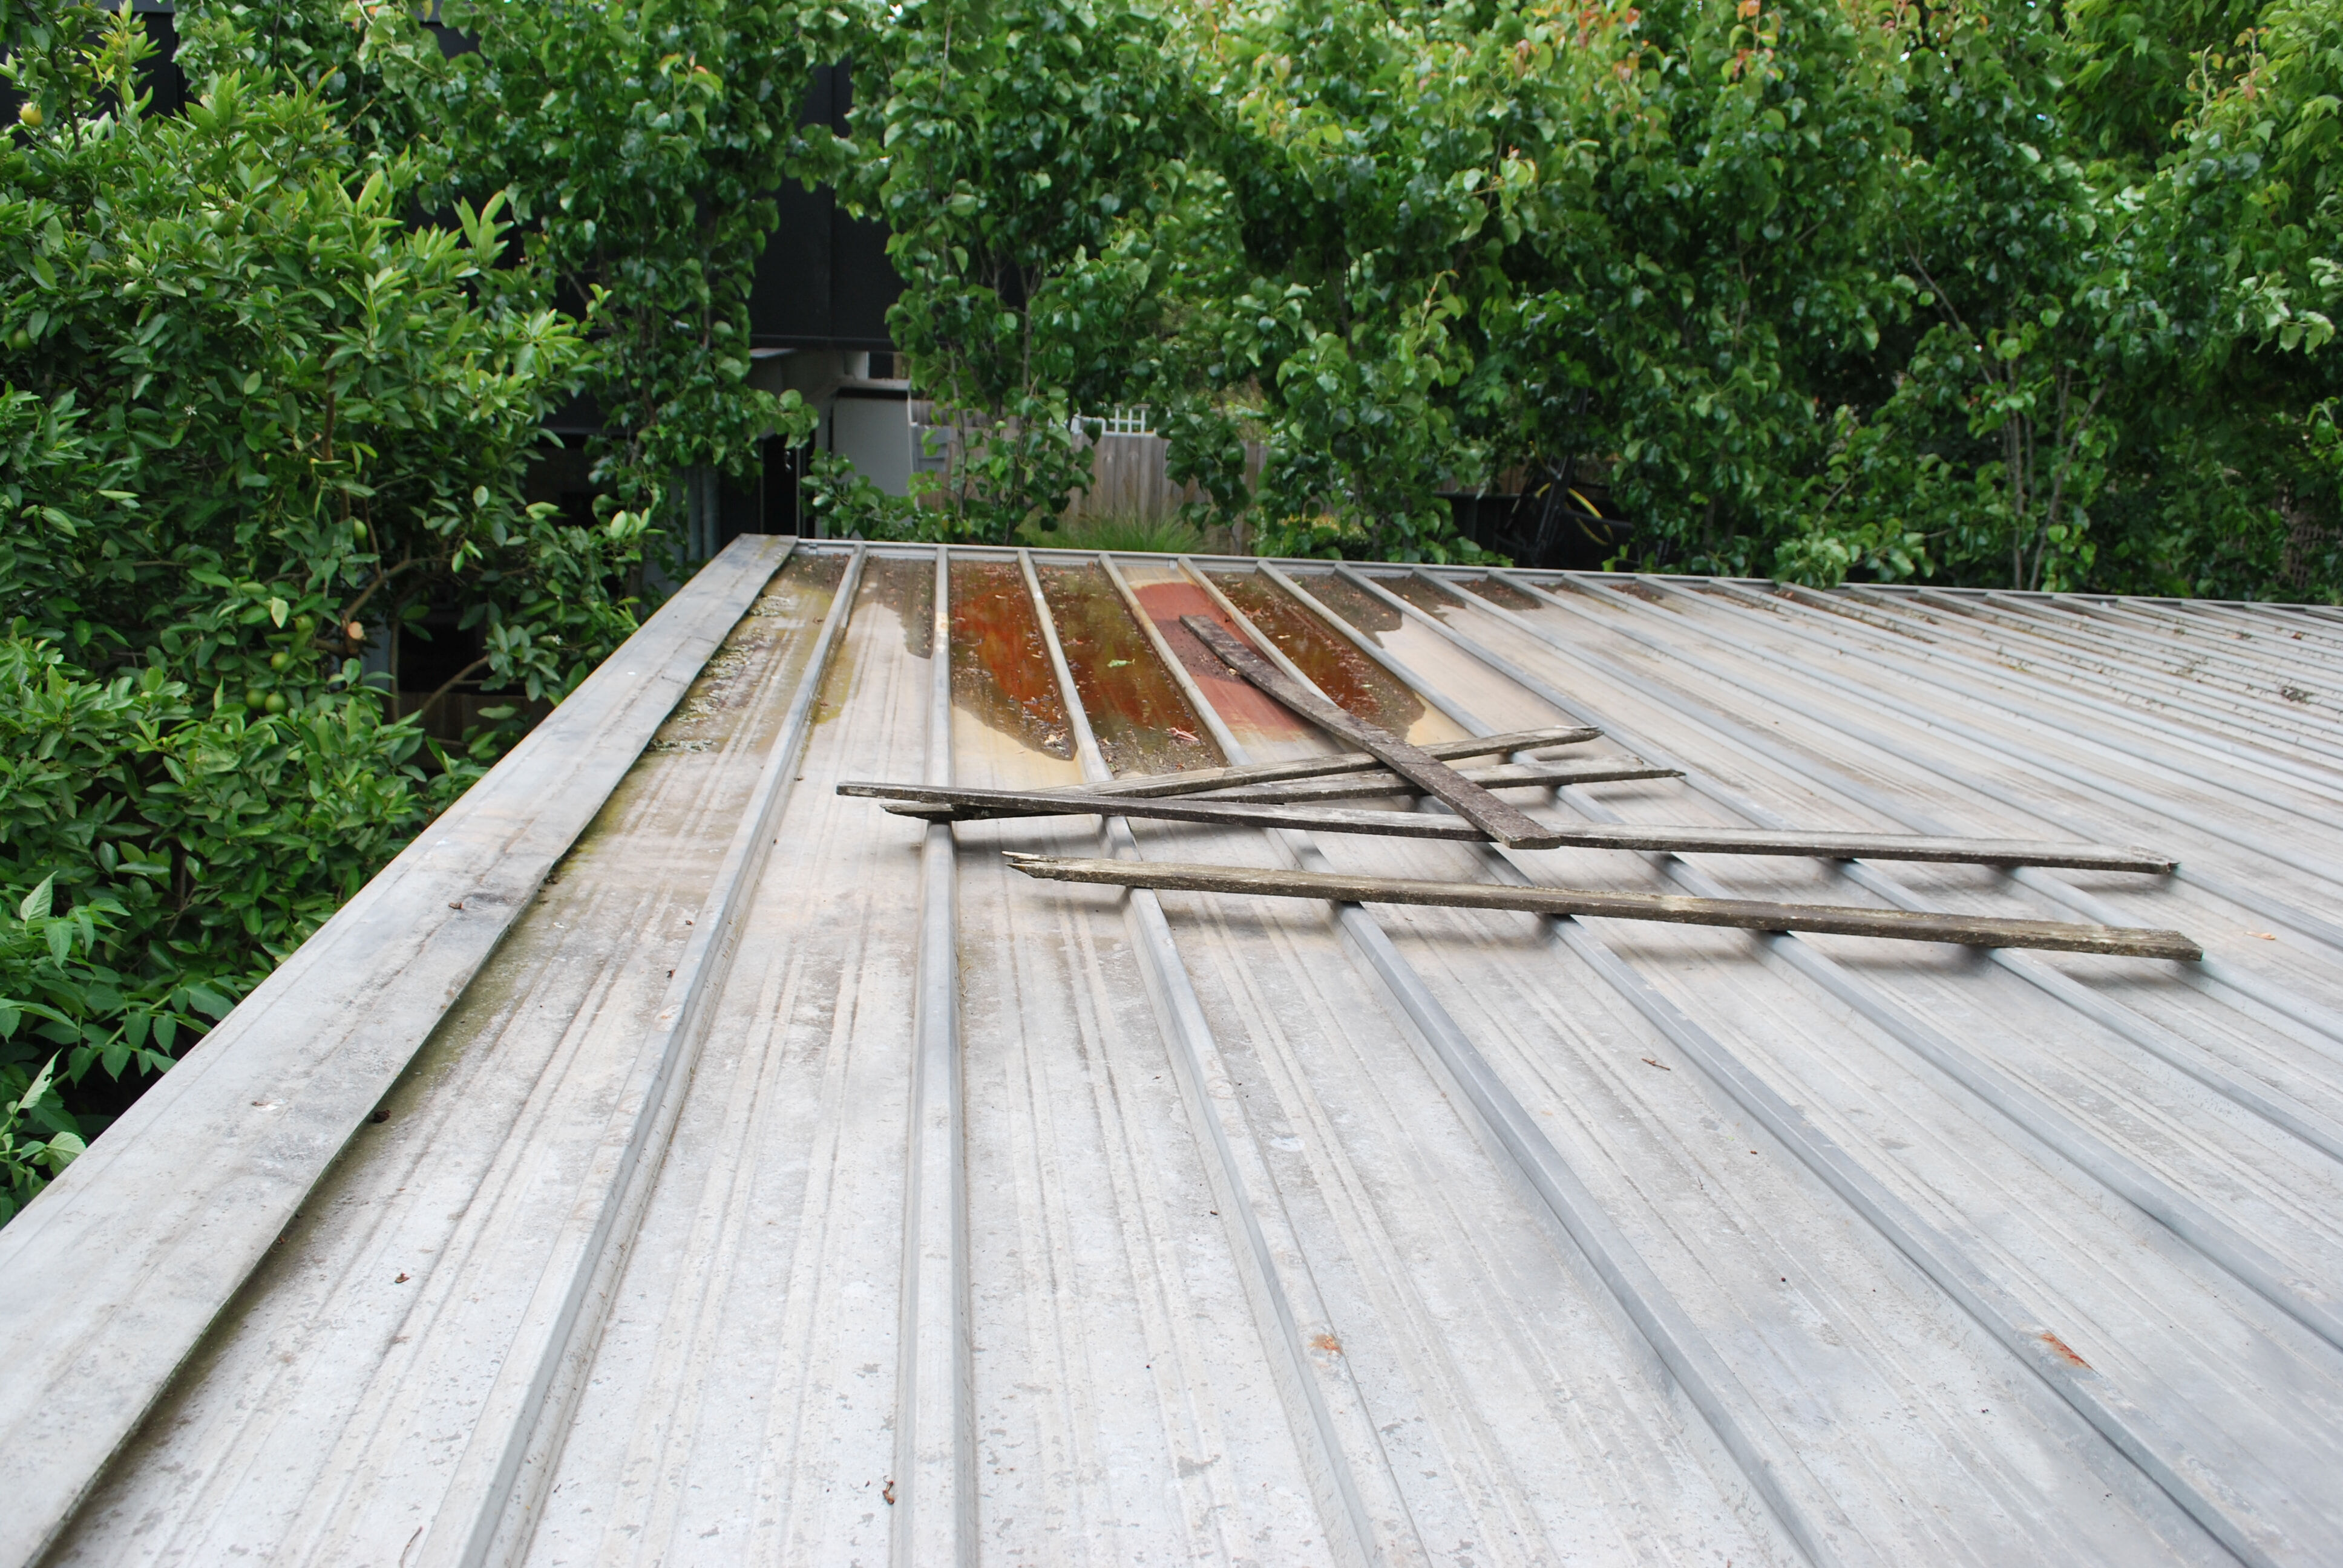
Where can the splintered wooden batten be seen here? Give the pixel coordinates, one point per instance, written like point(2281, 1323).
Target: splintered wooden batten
point(1357, 786)
point(1202, 778)
point(1673, 838)
point(1744, 914)
point(1197, 781)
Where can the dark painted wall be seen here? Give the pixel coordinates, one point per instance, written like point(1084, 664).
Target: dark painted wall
point(824, 281)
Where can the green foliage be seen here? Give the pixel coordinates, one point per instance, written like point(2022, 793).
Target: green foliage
point(1376, 172)
point(371, 64)
point(252, 417)
point(1997, 432)
point(261, 401)
point(2133, 68)
point(1022, 152)
point(208, 844)
point(845, 504)
point(1715, 286)
point(38, 1136)
point(1979, 292)
point(2222, 324)
point(641, 147)
point(1116, 533)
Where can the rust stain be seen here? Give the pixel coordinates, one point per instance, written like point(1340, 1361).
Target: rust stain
point(1140, 717)
point(1324, 655)
point(1000, 668)
point(1322, 1341)
point(2066, 1352)
point(1239, 704)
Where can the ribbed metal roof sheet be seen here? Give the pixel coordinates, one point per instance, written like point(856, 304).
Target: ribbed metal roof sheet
point(670, 1160)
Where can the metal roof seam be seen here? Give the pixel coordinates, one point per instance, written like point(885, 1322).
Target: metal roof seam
point(2163, 1459)
point(495, 1491)
point(2304, 616)
point(2308, 924)
point(2299, 1121)
point(1969, 630)
point(2255, 631)
point(2168, 1463)
point(2209, 972)
point(2222, 977)
point(2331, 871)
point(2125, 646)
point(2223, 1243)
point(934, 1516)
point(2314, 1017)
point(2301, 921)
point(2138, 628)
point(2196, 1488)
point(1806, 1510)
point(2254, 719)
point(1326, 1409)
point(2048, 595)
point(2207, 658)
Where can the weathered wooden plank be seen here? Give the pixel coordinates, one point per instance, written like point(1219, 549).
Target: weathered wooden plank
point(1203, 778)
point(1364, 787)
point(1744, 914)
point(1506, 823)
point(1499, 776)
point(1180, 809)
point(111, 1276)
point(1673, 838)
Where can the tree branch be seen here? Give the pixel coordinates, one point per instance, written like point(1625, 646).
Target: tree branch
point(381, 577)
point(453, 681)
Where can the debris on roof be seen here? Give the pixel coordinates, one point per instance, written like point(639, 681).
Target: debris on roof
point(980, 1055)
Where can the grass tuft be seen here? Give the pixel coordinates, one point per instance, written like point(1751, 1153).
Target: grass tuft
point(1116, 532)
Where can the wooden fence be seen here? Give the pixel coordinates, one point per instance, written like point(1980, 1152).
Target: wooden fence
point(1131, 477)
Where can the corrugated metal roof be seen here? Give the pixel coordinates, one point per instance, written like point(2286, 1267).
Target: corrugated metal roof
point(762, 1176)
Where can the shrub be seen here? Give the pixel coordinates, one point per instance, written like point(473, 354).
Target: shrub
point(253, 417)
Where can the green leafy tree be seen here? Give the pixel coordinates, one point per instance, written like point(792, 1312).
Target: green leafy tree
point(1379, 161)
point(640, 147)
point(1021, 153)
point(2232, 276)
point(1717, 288)
point(2129, 68)
point(253, 417)
point(2000, 415)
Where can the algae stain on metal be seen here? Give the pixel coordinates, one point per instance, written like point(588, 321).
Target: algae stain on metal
point(1000, 672)
point(1140, 717)
point(1346, 676)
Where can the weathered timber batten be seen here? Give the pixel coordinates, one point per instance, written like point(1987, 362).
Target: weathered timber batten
point(671, 1158)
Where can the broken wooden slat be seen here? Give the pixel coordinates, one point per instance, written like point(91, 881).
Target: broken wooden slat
point(1506, 823)
point(1744, 914)
point(1180, 809)
point(1670, 838)
point(1203, 778)
point(1359, 786)
point(1499, 776)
